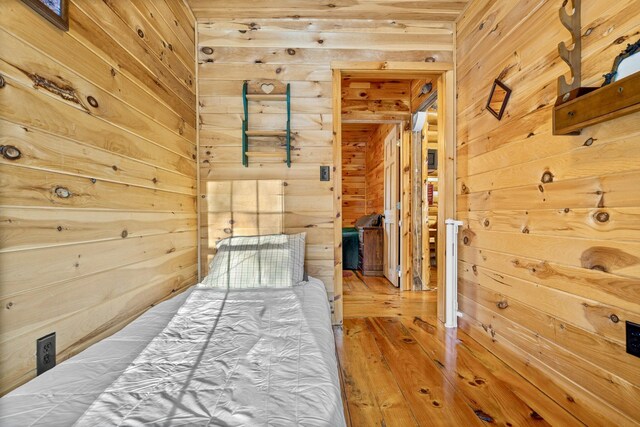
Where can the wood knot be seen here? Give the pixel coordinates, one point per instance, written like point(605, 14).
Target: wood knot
point(10, 152)
point(62, 192)
point(547, 177)
point(430, 59)
point(424, 391)
point(467, 235)
point(92, 101)
point(426, 88)
point(59, 228)
point(484, 416)
point(228, 231)
point(408, 340)
point(206, 50)
point(604, 258)
point(1, 81)
point(114, 167)
point(535, 416)
point(93, 180)
point(9, 305)
point(124, 234)
point(435, 403)
point(602, 216)
point(474, 268)
point(614, 318)
point(320, 41)
point(140, 33)
point(502, 304)
point(291, 51)
point(486, 222)
point(525, 230)
point(588, 142)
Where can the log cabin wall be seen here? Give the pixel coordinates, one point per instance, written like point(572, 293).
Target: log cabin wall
point(550, 252)
point(298, 51)
point(98, 217)
point(354, 186)
point(375, 168)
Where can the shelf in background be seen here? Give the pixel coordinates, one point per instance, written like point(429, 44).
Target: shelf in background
point(266, 133)
point(267, 97)
point(598, 105)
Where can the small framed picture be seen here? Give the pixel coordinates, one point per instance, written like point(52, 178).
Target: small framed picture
point(55, 11)
point(498, 99)
point(432, 159)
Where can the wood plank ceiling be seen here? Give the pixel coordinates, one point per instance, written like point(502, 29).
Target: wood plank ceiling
point(424, 10)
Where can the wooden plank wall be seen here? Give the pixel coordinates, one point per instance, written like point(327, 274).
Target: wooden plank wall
point(380, 100)
point(375, 168)
point(396, 10)
point(549, 272)
point(98, 218)
point(355, 137)
point(298, 51)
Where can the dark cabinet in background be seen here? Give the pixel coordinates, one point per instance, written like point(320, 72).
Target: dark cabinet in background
point(371, 251)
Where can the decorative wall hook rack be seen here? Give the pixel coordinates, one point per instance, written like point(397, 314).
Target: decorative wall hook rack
point(579, 107)
point(573, 56)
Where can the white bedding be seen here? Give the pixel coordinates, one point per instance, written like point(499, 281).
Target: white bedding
point(254, 357)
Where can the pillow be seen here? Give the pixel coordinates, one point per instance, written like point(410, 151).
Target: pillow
point(271, 261)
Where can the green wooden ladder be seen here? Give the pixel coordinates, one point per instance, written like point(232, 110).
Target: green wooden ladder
point(246, 133)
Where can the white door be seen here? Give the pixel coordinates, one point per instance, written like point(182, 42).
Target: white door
point(391, 213)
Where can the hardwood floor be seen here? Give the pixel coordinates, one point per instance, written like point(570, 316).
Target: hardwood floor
point(400, 367)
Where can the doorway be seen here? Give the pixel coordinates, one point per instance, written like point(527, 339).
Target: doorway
point(384, 110)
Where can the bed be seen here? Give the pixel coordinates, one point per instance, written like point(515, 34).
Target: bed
point(210, 356)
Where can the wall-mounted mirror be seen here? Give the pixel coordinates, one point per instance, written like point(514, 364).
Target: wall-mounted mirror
point(625, 64)
point(498, 99)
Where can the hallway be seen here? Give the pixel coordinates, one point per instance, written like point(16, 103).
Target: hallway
point(400, 367)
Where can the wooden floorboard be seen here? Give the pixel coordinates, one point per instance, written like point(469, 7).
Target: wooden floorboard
point(400, 367)
point(376, 297)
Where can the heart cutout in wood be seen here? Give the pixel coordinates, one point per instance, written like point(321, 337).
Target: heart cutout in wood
point(267, 88)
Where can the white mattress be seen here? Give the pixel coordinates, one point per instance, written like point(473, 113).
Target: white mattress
point(254, 357)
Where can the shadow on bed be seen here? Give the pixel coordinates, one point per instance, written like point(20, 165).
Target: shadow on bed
point(185, 386)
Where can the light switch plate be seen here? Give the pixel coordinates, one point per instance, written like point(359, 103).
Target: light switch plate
point(325, 174)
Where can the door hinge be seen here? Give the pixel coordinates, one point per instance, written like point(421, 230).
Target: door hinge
point(399, 205)
point(399, 271)
point(400, 223)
